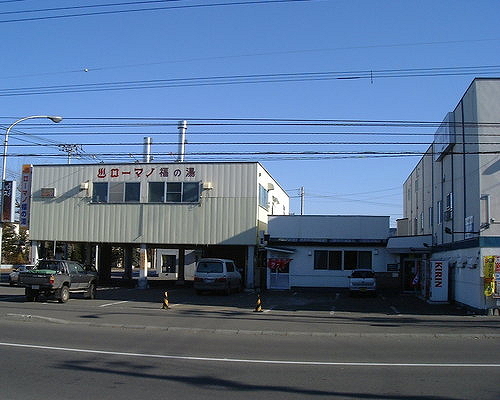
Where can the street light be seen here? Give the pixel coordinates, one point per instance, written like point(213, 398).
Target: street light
point(54, 119)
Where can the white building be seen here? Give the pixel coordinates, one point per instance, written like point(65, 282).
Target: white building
point(452, 205)
point(181, 210)
point(322, 250)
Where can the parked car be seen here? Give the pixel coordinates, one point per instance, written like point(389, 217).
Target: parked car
point(362, 281)
point(217, 274)
point(14, 275)
point(58, 278)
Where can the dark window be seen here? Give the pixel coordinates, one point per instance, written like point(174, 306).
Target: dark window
point(210, 267)
point(324, 259)
point(100, 192)
point(156, 192)
point(363, 274)
point(190, 192)
point(132, 192)
point(174, 192)
point(320, 259)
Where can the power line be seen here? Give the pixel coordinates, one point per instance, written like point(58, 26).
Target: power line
point(222, 57)
point(95, 13)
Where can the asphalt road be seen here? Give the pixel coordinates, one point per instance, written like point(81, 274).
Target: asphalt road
point(303, 345)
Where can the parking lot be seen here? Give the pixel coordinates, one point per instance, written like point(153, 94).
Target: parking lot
point(307, 311)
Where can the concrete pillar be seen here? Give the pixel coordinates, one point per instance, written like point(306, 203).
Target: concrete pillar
point(250, 272)
point(97, 249)
point(143, 265)
point(127, 262)
point(182, 262)
point(34, 252)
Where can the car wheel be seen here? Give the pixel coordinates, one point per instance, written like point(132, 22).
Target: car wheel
point(63, 294)
point(91, 291)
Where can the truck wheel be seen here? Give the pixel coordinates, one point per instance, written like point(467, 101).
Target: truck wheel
point(30, 294)
point(91, 291)
point(63, 294)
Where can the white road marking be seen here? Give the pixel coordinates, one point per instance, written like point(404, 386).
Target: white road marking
point(253, 361)
point(113, 304)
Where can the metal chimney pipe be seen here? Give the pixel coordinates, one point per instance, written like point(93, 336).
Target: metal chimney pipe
point(147, 149)
point(182, 126)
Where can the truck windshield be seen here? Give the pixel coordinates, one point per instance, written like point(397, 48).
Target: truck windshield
point(52, 265)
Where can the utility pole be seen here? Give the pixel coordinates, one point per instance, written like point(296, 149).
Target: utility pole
point(71, 149)
point(302, 200)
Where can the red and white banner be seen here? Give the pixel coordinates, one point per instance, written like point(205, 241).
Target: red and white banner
point(278, 264)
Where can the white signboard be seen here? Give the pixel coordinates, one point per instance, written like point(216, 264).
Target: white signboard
point(439, 281)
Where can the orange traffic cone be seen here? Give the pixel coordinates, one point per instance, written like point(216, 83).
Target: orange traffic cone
point(258, 305)
point(165, 301)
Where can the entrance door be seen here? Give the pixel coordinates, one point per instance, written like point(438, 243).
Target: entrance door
point(278, 273)
point(412, 275)
point(169, 265)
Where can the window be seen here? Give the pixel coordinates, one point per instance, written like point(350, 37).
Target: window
point(448, 214)
point(116, 192)
point(431, 222)
point(132, 192)
point(174, 192)
point(328, 259)
point(439, 212)
point(357, 259)
point(263, 197)
point(100, 192)
point(156, 192)
point(230, 267)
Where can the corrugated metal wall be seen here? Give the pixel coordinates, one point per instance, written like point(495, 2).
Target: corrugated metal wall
point(226, 214)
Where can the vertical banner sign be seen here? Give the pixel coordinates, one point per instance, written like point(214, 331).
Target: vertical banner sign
point(496, 294)
point(489, 275)
point(24, 212)
point(439, 281)
point(9, 201)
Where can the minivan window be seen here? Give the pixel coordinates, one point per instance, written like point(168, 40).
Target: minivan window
point(230, 267)
point(363, 274)
point(210, 267)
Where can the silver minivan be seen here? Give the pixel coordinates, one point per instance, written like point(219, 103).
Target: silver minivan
point(217, 274)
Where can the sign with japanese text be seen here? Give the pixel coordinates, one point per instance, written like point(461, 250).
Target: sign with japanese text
point(489, 274)
point(141, 172)
point(25, 200)
point(8, 201)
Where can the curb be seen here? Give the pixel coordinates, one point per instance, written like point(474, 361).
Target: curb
point(173, 329)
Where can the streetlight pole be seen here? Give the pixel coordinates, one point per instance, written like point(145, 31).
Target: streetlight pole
point(54, 119)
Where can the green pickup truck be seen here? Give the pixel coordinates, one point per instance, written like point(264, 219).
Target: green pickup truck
point(58, 278)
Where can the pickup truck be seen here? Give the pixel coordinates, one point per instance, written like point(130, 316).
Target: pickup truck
point(58, 278)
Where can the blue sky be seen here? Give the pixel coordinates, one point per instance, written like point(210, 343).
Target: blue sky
point(244, 39)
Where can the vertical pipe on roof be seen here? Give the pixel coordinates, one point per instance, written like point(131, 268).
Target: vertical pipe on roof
point(182, 126)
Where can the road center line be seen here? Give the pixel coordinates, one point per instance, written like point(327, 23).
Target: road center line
point(251, 361)
point(113, 304)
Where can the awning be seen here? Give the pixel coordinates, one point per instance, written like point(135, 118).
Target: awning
point(280, 249)
point(409, 244)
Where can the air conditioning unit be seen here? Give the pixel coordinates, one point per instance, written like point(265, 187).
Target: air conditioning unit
point(208, 185)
